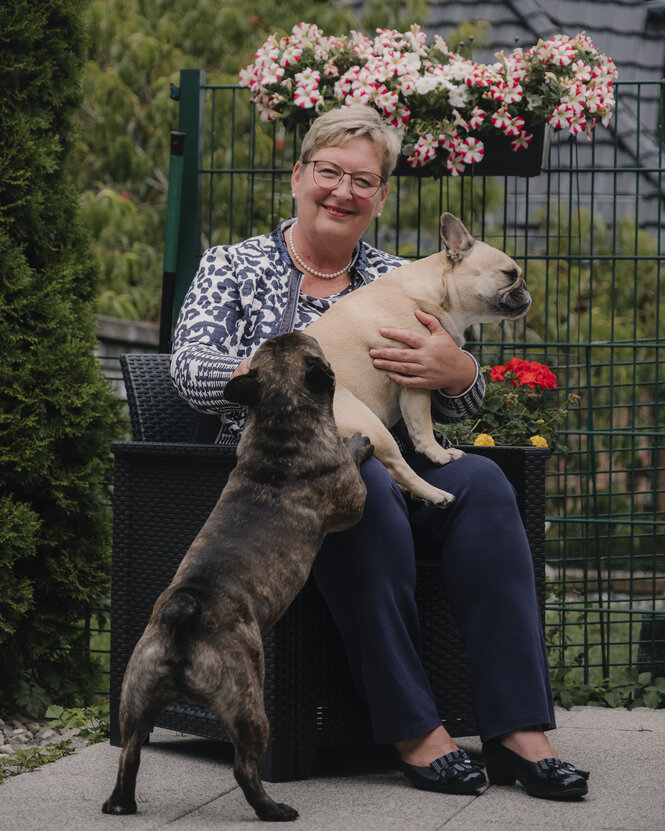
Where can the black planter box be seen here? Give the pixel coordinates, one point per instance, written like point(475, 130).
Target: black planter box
point(499, 159)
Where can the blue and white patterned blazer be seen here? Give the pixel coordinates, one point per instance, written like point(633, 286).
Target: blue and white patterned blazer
point(246, 293)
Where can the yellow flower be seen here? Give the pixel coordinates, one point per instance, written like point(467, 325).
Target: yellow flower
point(539, 441)
point(483, 440)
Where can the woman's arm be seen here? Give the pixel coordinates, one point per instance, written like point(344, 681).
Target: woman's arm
point(206, 338)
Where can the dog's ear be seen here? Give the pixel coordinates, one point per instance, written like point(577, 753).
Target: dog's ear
point(243, 389)
point(319, 375)
point(457, 241)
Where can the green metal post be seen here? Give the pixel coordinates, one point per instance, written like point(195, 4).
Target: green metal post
point(173, 214)
point(191, 95)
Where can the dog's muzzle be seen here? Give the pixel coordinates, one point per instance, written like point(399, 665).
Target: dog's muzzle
point(515, 300)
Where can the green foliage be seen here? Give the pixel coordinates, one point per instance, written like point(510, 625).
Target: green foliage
point(57, 414)
point(136, 49)
point(573, 638)
point(92, 723)
point(30, 758)
point(628, 688)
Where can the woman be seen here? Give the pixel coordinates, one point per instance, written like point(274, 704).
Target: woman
point(278, 282)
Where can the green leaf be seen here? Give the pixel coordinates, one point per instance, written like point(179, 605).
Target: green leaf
point(652, 698)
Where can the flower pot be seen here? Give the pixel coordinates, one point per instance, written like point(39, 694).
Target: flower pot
point(499, 160)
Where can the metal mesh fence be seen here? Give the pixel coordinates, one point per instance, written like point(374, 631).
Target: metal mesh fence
point(588, 234)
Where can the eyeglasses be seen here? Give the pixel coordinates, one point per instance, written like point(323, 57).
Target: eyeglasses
point(329, 175)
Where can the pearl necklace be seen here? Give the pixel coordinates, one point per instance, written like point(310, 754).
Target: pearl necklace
point(326, 276)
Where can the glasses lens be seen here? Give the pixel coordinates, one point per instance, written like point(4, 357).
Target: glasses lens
point(363, 183)
point(327, 174)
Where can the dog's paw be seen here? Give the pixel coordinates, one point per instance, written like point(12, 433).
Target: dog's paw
point(441, 455)
point(277, 812)
point(360, 448)
point(118, 808)
point(452, 453)
point(443, 501)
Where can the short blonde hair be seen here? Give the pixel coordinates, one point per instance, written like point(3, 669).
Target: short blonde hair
point(337, 127)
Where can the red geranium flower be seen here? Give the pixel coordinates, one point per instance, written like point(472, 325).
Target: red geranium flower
point(524, 373)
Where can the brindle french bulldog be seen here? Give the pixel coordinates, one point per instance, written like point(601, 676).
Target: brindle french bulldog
point(295, 481)
point(467, 282)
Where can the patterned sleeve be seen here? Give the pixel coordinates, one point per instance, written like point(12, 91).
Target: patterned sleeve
point(204, 357)
point(449, 408)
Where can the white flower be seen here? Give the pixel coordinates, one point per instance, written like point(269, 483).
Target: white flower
point(457, 96)
point(428, 83)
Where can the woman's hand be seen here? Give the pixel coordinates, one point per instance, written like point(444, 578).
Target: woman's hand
point(242, 368)
point(432, 362)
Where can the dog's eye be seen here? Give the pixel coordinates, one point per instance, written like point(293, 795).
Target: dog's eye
point(512, 274)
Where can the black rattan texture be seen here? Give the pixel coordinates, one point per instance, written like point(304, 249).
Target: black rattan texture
point(163, 494)
point(156, 411)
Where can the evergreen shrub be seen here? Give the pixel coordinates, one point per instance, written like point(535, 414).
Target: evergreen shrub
point(57, 415)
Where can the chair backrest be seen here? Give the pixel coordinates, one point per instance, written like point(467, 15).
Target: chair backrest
point(156, 411)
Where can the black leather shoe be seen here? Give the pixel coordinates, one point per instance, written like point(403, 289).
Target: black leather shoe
point(452, 773)
point(546, 779)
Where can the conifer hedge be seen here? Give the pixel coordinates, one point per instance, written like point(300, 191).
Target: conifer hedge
point(57, 415)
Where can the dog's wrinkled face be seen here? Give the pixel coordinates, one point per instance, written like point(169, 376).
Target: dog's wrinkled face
point(484, 284)
point(490, 285)
point(286, 371)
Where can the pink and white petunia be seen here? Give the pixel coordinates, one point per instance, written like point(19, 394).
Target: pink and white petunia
point(582, 71)
point(271, 74)
point(359, 95)
point(514, 128)
point(386, 100)
point(560, 118)
point(501, 119)
point(249, 77)
point(308, 77)
point(472, 150)
point(330, 69)
point(290, 56)
point(306, 97)
point(477, 118)
point(563, 54)
point(455, 164)
point(306, 31)
point(522, 141)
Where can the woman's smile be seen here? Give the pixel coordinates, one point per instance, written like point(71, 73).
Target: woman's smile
point(337, 210)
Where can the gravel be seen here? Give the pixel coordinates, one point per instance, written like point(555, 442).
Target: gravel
point(21, 732)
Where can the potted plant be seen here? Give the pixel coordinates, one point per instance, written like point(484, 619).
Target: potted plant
point(449, 108)
point(516, 410)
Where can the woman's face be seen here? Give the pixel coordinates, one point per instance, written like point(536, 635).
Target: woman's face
point(338, 213)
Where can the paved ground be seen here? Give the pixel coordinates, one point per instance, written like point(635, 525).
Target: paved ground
point(184, 783)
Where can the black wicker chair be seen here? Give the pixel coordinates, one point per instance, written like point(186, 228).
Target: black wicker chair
point(164, 489)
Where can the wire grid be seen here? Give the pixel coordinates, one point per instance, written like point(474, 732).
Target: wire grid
point(587, 233)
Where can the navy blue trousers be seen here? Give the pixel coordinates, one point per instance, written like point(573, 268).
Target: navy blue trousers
point(367, 576)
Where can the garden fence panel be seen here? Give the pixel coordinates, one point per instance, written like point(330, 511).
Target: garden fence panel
point(588, 234)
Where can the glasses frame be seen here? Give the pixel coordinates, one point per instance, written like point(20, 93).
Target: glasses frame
point(344, 173)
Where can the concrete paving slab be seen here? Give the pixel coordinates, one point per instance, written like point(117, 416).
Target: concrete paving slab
point(186, 783)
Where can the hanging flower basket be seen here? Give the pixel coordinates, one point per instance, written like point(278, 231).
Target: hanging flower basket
point(452, 112)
